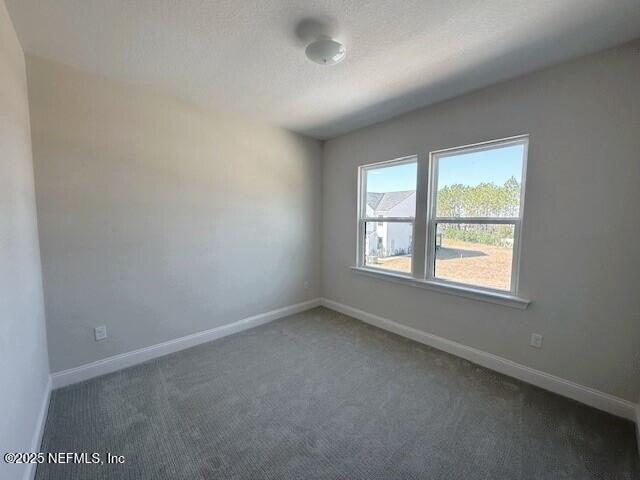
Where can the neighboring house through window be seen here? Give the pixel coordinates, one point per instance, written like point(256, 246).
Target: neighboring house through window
point(388, 204)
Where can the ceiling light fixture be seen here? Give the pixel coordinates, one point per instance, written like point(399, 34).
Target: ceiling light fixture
point(326, 51)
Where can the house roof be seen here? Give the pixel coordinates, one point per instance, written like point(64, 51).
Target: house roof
point(384, 202)
point(373, 199)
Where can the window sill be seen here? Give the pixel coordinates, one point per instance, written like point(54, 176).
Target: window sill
point(467, 292)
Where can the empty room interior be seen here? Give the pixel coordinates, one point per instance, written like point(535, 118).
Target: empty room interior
point(340, 239)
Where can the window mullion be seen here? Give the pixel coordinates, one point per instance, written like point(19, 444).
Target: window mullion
point(420, 225)
point(478, 220)
point(432, 186)
point(388, 219)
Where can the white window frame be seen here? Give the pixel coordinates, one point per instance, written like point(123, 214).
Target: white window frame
point(425, 223)
point(363, 219)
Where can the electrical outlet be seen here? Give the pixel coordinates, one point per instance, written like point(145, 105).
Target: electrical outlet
point(306, 285)
point(536, 340)
point(100, 332)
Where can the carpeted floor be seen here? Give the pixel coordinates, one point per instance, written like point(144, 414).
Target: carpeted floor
point(321, 395)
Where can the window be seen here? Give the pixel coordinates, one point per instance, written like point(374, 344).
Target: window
point(465, 232)
point(387, 212)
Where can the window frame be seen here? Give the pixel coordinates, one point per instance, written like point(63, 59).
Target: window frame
point(362, 218)
point(425, 220)
point(433, 219)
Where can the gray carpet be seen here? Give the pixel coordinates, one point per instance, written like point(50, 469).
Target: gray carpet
point(319, 395)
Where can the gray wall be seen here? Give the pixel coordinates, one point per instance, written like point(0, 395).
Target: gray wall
point(580, 260)
point(160, 220)
point(24, 368)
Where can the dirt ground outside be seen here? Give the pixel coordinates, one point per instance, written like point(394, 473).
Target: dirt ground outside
point(465, 262)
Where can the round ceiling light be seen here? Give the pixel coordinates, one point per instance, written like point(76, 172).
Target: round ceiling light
point(326, 51)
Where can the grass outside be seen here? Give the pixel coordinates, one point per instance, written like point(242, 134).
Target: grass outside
point(465, 262)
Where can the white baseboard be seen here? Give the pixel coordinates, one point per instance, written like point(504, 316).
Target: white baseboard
point(638, 426)
point(41, 421)
point(589, 396)
point(124, 360)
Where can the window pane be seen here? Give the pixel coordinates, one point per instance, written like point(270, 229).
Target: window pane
point(388, 245)
point(391, 191)
point(484, 183)
point(478, 255)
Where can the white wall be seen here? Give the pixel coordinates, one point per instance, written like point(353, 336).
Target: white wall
point(399, 235)
point(160, 220)
point(580, 263)
point(24, 369)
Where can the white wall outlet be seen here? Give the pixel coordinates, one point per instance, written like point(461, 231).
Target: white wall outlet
point(100, 332)
point(536, 340)
point(306, 285)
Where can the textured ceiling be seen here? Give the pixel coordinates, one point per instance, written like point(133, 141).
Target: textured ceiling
point(248, 56)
